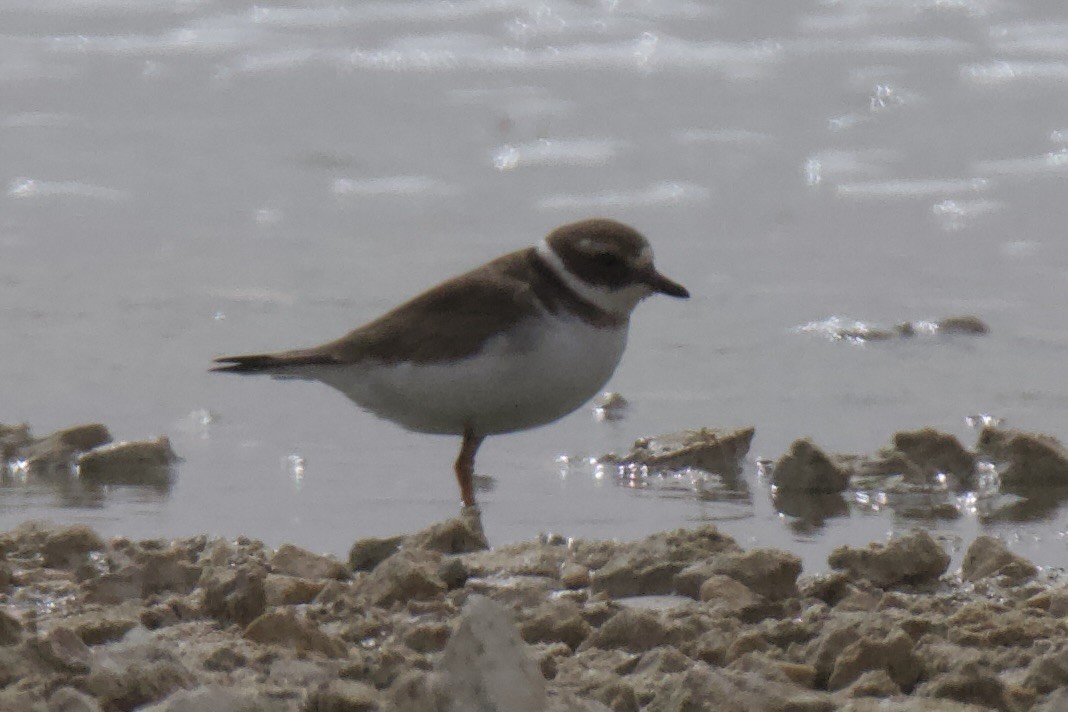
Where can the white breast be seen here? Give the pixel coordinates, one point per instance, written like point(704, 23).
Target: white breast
point(526, 377)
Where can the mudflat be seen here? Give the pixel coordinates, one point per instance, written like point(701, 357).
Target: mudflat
point(437, 620)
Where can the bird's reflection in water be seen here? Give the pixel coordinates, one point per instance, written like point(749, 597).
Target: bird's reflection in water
point(810, 512)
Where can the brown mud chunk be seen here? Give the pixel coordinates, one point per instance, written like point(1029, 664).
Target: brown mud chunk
point(649, 567)
point(366, 554)
point(631, 629)
point(67, 547)
point(10, 629)
point(610, 406)
point(935, 452)
point(291, 560)
point(57, 450)
point(967, 324)
point(971, 684)
point(728, 594)
point(410, 574)
point(913, 559)
point(142, 462)
point(283, 627)
point(13, 439)
point(343, 696)
point(767, 572)
point(130, 686)
point(1026, 459)
point(556, 622)
point(894, 654)
point(710, 449)
point(234, 595)
point(459, 535)
point(988, 556)
point(62, 649)
point(806, 468)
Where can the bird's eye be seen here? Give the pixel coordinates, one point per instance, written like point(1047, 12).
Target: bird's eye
point(607, 259)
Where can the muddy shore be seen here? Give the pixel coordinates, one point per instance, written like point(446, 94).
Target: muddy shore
point(682, 620)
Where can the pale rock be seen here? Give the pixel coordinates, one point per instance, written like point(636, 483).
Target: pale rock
point(487, 665)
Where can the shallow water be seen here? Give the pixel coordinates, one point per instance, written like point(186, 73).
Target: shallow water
point(181, 181)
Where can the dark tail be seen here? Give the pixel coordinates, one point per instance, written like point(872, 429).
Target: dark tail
point(266, 363)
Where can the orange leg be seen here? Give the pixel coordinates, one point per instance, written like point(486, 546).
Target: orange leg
point(465, 466)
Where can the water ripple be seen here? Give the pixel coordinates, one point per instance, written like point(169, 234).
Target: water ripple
point(662, 193)
point(25, 188)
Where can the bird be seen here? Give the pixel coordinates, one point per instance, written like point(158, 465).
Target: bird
point(514, 344)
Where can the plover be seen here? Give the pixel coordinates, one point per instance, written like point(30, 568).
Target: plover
point(516, 343)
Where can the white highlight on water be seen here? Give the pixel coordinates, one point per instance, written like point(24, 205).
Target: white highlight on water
point(660, 193)
point(36, 188)
point(391, 185)
point(563, 152)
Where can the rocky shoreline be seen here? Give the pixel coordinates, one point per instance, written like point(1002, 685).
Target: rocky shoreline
point(436, 621)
